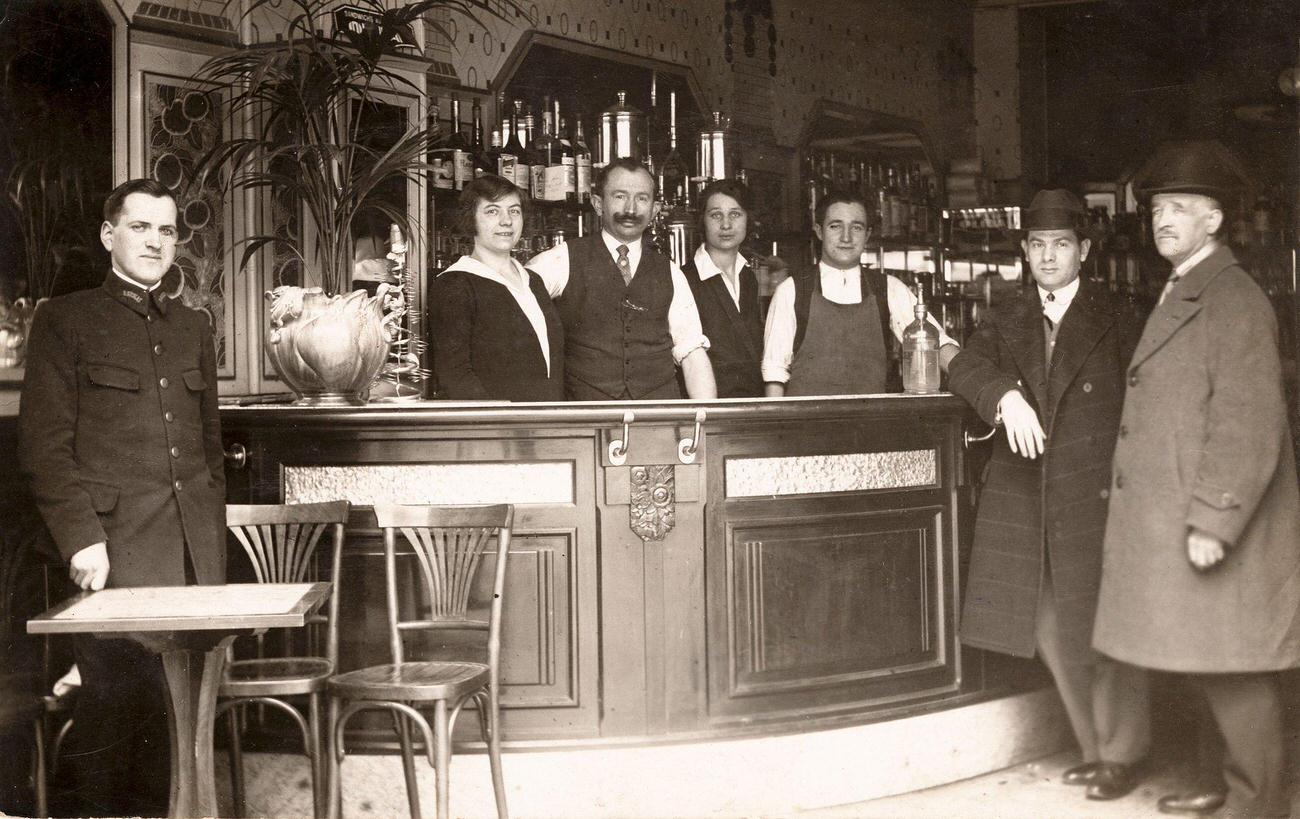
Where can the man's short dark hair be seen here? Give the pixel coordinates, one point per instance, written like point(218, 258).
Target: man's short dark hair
point(623, 163)
point(486, 188)
point(837, 197)
point(727, 187)
point(150, 187)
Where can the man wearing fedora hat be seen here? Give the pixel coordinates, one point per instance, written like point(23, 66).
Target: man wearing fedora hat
point(1202, 558)
point(1049, 366)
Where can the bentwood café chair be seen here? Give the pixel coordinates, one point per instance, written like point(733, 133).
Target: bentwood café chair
point(450, 546)
point(281, 543)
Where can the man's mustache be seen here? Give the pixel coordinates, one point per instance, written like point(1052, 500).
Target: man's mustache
point(627, 218)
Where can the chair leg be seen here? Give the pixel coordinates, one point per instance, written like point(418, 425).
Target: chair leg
point(408, 764)
point(442, 757)
point(52, 758)
point(494, 752)
point(38, 779)
point(332, 753)
point(314, 761)
point(236, 752)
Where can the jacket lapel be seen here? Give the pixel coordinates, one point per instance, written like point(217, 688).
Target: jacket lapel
point(1022, 327)
point(1083, 326)
point(1182, 303)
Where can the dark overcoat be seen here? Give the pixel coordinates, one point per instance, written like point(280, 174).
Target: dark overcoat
point(1053, 506)
point(119, 433)
point(1206, 444)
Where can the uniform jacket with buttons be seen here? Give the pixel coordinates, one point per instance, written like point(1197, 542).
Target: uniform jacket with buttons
point(1051, 508)
point(119, 435)
point(1208, 446)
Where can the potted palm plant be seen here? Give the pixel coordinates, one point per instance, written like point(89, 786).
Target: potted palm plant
point(307, 92)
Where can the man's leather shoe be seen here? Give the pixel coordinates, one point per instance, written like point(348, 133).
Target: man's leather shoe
point(1113, 780)
point(1081, 774)
point(1200, 803)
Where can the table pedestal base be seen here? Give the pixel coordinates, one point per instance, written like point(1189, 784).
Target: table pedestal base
point(193, 678)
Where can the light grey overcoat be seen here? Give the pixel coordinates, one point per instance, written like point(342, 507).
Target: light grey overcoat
point(1204, 442)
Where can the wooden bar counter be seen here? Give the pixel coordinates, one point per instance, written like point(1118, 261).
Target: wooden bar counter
point(796, 568)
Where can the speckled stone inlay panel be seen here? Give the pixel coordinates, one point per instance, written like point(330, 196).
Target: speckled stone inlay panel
point(543, 482)
point(818, 474)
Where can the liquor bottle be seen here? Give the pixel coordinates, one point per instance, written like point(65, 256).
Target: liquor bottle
point(492, 156)
point(564, 158)
point(476, 141)
point(461, 158)
point(582, 162)
point(674, 176)
point(515, 147)
point(507, 159)
point(536, 150)
point(920, 358)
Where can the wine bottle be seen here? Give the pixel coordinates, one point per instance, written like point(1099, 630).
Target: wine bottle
point(535, 151)
point(582, 163)
point(507, 159)
point(673, 173)
point(515, 148)
point(461, 159)
point(568, 173)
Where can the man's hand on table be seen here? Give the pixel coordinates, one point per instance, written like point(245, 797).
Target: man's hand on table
point(89, 567)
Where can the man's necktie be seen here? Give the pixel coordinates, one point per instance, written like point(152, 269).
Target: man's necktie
point(624, 266)
point(1169, 285)
point(1048, 300)
point(748, 291)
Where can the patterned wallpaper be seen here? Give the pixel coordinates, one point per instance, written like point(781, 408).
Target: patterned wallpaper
point(765, 62)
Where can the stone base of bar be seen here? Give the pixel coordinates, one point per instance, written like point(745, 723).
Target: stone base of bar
point(744, 777)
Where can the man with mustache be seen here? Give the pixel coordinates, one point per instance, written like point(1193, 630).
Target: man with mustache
point(629, 315)
point(1201, 570)
point(726, 290)
point(120, 441)
point(831, 333)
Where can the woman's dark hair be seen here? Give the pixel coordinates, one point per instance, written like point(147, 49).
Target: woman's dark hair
point(728, 187)
point(486, 188)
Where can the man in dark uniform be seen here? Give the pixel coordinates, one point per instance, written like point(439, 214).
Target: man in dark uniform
point(726, 290)
point(829, 333)
point(629, 315)
point(120, 440)
point(1050, 367)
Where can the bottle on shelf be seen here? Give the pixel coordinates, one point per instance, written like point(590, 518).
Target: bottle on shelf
point(515, 148)
point(582, 162)
point(920, 358)
point(539, 150)
point(674, 176)
point(462, 162)
point(567, 161)
point(507, 159)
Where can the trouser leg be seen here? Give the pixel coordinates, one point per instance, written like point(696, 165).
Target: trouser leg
point(118, 751)
point(1073, 678)
point(1121, 710)
point(1248, 712)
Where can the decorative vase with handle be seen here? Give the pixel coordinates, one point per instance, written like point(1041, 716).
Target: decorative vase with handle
point(328, 349)
point(15, 323)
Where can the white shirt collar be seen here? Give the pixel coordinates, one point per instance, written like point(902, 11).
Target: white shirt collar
point(612, 242)
point(133, 282)
point(468, 264)
point(705, 266)
point(1195, 259)
point(830, 270)
point(1062, 297)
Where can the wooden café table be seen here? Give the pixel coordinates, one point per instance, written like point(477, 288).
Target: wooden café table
point(191, 627)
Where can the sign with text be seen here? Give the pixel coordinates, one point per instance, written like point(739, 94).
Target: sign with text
point(360, 21)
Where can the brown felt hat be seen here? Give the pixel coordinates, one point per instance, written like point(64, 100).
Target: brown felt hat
point(1200, 166)
point(1055, 209)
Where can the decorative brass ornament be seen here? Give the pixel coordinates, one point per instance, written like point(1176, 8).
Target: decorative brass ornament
point(652, 508)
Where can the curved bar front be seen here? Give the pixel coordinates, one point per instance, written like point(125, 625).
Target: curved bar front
point(800, 570)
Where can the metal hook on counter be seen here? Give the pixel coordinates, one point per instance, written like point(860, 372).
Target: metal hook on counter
point(687, 447)
point(618, 446)
point(971, 439)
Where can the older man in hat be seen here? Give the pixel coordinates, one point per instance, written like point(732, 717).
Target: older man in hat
point(1202, 549)
point(1049, 366)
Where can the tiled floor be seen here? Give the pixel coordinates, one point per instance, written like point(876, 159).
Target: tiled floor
point(1028, 791)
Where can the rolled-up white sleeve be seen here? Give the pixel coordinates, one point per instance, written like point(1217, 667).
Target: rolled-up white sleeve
point(683, 317)
point(902, 303)
point(778, 335)
point(552, 265)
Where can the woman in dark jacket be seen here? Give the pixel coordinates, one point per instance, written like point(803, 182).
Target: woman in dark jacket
point(495, 333)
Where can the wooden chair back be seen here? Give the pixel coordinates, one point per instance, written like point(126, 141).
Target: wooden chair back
point(280, 541)
point(449, 543)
